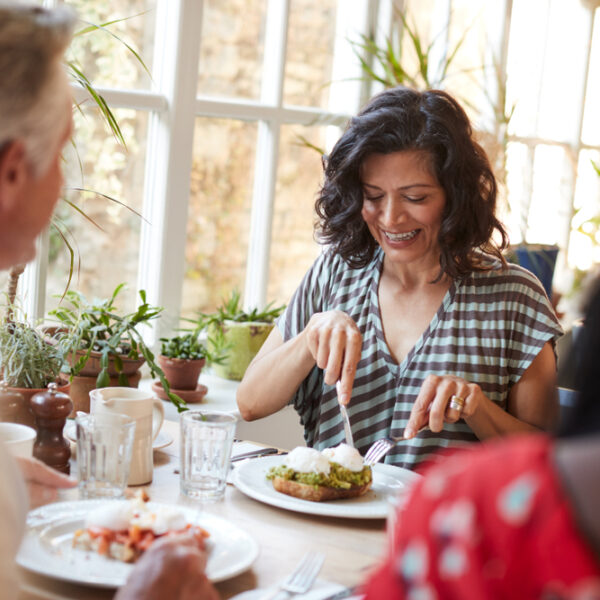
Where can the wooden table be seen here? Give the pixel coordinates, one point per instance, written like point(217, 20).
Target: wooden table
point(351, 546)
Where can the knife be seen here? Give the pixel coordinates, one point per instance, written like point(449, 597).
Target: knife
point(345, 418)
point(255, 453)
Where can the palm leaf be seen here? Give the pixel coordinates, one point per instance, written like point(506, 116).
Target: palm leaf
point(103, 27)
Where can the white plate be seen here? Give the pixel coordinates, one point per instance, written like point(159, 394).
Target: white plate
point(163, 439)
point(47, 546)
point(250, 478)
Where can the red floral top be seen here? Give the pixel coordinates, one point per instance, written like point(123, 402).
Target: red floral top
point(490, 522)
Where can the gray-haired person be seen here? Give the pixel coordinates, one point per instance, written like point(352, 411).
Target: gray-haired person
point(35, 123)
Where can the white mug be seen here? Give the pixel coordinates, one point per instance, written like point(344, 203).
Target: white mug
point(149, 414)
point(18, 439)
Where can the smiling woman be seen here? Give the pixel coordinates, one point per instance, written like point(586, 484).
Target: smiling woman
point(412, 305)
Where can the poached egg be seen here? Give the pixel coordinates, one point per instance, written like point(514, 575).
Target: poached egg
point(119, 516)
point(307, 460)
point(346, 456)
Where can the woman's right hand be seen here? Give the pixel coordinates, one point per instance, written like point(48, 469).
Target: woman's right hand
point(335, 343)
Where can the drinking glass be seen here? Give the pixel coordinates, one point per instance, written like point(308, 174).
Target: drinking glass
point(206, 441)
point(104, 447)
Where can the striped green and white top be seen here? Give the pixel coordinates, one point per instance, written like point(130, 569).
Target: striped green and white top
point(488, 330)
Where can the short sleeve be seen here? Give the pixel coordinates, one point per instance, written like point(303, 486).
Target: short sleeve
point(534, 321)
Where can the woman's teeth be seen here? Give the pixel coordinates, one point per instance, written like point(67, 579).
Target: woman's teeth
point(401, 237)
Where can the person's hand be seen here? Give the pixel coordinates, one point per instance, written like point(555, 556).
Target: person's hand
point(443, 399)
point(42, 481)
point(335, 343)
point(172, 568)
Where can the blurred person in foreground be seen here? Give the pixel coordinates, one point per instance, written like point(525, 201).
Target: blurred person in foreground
point(517, 519)
point(412, 306)
point(35, 123)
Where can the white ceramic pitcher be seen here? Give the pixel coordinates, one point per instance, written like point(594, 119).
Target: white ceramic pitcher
point(148, 412)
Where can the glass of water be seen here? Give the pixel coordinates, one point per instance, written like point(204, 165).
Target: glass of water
point(104, 446)
point(206, 441)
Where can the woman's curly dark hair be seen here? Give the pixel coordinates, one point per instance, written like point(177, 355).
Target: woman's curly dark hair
point(404, 119)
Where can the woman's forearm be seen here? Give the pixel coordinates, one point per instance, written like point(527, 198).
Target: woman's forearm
point(492, 421)
point(273, 376)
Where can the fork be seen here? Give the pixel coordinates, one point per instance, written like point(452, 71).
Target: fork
point(301, 579)
point(381, 447)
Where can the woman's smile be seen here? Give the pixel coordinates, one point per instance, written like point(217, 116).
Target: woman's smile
point(403, 205)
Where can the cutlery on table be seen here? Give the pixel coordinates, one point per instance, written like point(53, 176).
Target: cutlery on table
point(254, 453)
point(381, 447)
point(301, 579)
point(345, 417)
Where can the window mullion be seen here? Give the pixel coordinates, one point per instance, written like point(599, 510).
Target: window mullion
point(169, 159)
point(265, 170)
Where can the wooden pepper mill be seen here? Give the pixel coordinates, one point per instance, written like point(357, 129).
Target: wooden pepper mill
point(50, 410)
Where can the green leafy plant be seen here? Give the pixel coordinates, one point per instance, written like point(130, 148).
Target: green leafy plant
point(231, 310)
point(27, 360)
point(188, 346)
point(386, 63)
point(97, 327)
point(236, 348)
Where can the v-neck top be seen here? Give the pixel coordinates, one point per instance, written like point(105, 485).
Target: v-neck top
point(488, 329)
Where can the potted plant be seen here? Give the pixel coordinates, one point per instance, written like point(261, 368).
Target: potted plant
point(27, 365)
point(182, 358)
point(237, 335)
point(103, 348)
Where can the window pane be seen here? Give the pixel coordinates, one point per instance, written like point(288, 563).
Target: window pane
point(545, 74)
point(584, 248)
point(519, 162)
point(100, 164)
point(98, 52)
point(549, 210)
point(591, 120)
point(524, 75)
point(293, 248)
point(311, 38)
point(473, 71)
point(565, 58)
point(232, 45)
point(219, 212)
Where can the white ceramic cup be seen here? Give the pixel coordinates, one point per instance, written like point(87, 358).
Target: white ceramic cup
point(149, 414)
point(18, 439)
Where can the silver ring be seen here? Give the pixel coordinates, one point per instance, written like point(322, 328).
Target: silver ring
point(457, 403)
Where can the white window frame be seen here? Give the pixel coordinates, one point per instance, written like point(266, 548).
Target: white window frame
point(173, 107)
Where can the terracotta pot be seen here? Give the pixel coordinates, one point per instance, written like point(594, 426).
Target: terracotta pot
point(83, 383)
point(92, 366)
point(181, 373)
point(15, 405)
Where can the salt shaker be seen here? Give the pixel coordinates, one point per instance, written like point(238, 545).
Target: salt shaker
point(51, 409)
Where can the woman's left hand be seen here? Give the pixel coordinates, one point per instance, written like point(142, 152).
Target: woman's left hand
point(443, 399)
